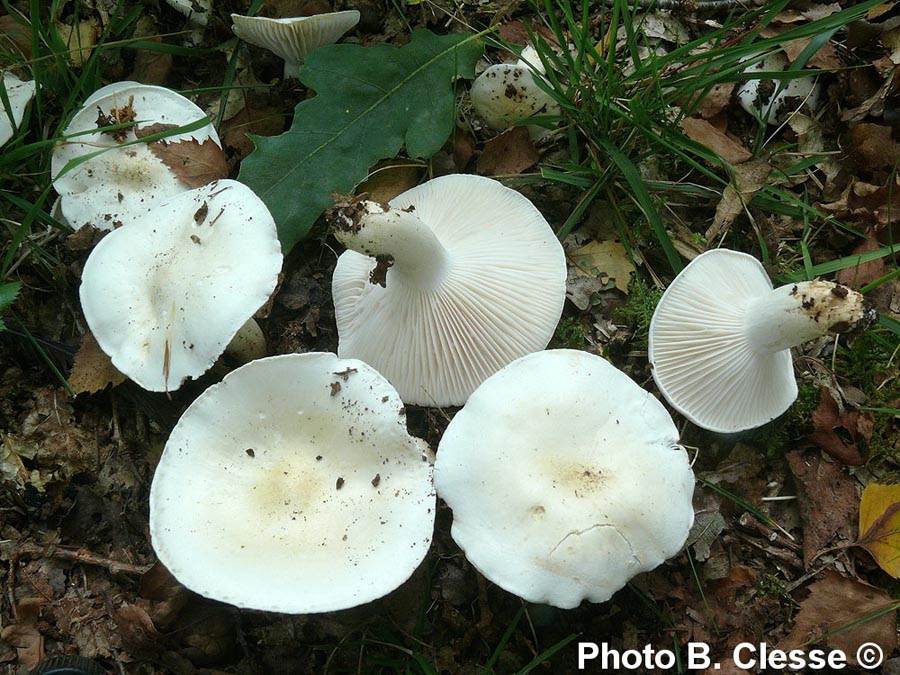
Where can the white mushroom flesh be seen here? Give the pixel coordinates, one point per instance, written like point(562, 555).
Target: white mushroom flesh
point(113, 188)
point(473, 278)
point(773, 101)
point(293, 486)
point(19, 93)
point(165, 297)
point(720, 338)
point(565, 479)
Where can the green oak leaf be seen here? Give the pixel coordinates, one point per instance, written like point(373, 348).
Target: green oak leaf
point(8, 293)
point(370, 102)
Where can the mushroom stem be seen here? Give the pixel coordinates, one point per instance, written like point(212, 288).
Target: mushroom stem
point(793, 314)
point(248, 344)
point(377, 230)
point(292, 70)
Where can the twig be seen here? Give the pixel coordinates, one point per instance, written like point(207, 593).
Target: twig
point(81, 555)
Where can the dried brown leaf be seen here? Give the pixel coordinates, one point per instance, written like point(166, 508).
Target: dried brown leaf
point(716, 101)
point(749, 178)
point(389, 178)
point(93, 369)
point(24, 635)
point(261, 121)
point(151, 67)
point(835, 602)
point(865, 272)
point(509, 153)
point(872, 148)
point(706, 134)
point(828, 501)
point(195, 164)
point(828, 417)
point(15, 36)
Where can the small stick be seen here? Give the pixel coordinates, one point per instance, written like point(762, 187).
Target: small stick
point(81, 555)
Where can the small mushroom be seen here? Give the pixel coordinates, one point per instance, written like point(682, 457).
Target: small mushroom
point(115, 186)
point(19, 93)
point(507, 92)
point(720, 338)
point(446, 285)
point(164, 298)
point(197, 13)
point(773, 101)
point(273, 494)
point(292, 39)
point(565, 479)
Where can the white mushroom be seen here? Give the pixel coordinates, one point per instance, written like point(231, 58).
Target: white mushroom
point(720, 338)
point(165, 297)
point(293, 486)
point(773, 101)
point(19, 93)
point(196, 11)
point(565, 479)
point(292, 39)
point(125, 181)
point(466, 277)
point(507, 92)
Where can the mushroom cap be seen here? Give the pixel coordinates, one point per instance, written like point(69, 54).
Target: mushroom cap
point(565, 479)
point(500, 297)
point(197, 11)
point(506, 92)
point(774, 100)
point(292, 39)
point(293, 486)
point(123, 182)
point(701, 360)
point(19, 93)
point(164, 298)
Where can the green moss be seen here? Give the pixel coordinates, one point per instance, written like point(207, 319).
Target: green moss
point(638, 310)
point(769, 585)
point(569, 335)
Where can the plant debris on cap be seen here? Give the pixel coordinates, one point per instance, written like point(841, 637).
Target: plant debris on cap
point(720, 338)
point(565, 479)
point(116, 186)
point(165, 297)
point(19, 93)
point(294, 38)
point(293, 486)
point(452, 281)
point(773, 101)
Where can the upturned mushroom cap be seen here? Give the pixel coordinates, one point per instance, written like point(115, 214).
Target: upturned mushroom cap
point(122, 183)
point(292, 39)
point(165, 297)
point(774, 100)
point(467, 277)
point(293, 486)
point(565, 479)
point(720, 338)
point(19, 94)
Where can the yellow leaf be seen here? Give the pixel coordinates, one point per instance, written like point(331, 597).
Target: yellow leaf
point(608, 259)
point(879, 526)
